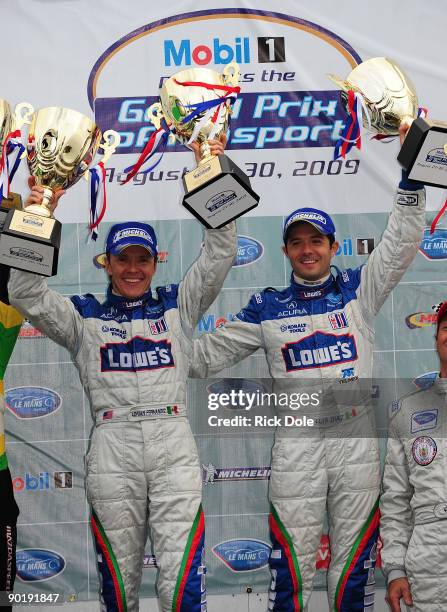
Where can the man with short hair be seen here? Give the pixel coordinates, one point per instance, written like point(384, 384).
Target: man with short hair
point(318, 334)
point(132, 353)
point(413, 504)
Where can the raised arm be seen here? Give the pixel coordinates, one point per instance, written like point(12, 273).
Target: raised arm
point(399, 244)
point(229, 344)
point(46, 309)
point(398, 247)
point(204, 279)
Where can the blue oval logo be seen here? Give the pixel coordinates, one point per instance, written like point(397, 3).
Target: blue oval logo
point(36, 564)
point(243, 555)
point(424, 381)
point(249, 250)
point(434, 246)
point(424, 417)
point(32, 402)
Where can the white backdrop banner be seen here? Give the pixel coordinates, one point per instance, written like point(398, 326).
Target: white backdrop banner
point(107, 59)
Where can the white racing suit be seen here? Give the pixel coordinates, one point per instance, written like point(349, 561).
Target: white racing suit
point(413, 524)
point(143, 471)
point(321, 338)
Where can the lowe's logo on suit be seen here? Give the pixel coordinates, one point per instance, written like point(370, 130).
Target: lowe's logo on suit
point(319, 350)
point(137, 354)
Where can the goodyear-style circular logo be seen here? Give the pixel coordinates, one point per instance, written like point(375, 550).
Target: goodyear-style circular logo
point(424, 450)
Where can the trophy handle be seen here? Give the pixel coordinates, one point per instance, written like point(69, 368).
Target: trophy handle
point(112, 141)
point(23, 114)
point(231, 74)
point(154, 114)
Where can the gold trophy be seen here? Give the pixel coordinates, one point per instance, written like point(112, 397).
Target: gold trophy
point(390, 100)
point(389, 96)
point(9, 122)
point(61, 146)
point(217, 191)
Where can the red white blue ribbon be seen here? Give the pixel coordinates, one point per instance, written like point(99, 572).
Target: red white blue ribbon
point(11, 155)
point(351, 134)
point(98, 197)
point(159, 137)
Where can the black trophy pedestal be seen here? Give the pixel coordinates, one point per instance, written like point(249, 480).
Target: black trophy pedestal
point(423, 155)
point(30, 242)
point(218, 191)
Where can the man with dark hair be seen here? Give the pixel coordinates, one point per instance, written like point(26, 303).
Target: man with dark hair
point(10, 322)
point(318, 333)
point(414, 500)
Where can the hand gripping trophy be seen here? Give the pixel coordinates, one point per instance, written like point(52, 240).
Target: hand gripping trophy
point(195, 106)
point(62, 144)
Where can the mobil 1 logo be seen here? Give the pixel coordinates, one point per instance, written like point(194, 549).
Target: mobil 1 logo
point(365, 246)
point(271, 49)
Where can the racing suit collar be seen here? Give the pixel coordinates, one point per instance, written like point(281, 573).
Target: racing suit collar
point(124, 303)
point(311, 292)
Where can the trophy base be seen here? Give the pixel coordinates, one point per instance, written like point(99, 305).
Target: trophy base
point(423, 155)
point(30, 242)
point(218, 192)
point(14, 201)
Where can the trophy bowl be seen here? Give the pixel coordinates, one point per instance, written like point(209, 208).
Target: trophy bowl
point(177, 102)
point(195, 106)
point(61, 145)
point(388, 93)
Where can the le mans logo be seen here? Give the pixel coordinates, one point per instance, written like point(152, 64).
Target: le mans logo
point(280, 101)
point(245, 555)
point(36, 564)
point(32, 402)
point(434, 246)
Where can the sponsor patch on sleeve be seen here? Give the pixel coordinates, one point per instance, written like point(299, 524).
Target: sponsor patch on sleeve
point(408, 199)
point(423, 420)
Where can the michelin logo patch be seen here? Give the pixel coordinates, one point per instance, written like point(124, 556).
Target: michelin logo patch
point(319, 350)
point(132, 232)
point(307, 216)
point(135, 355)
point(421, 421)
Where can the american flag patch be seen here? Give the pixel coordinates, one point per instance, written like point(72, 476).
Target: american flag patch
point(338, 320)
point(108, 414)
point(158, 327)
